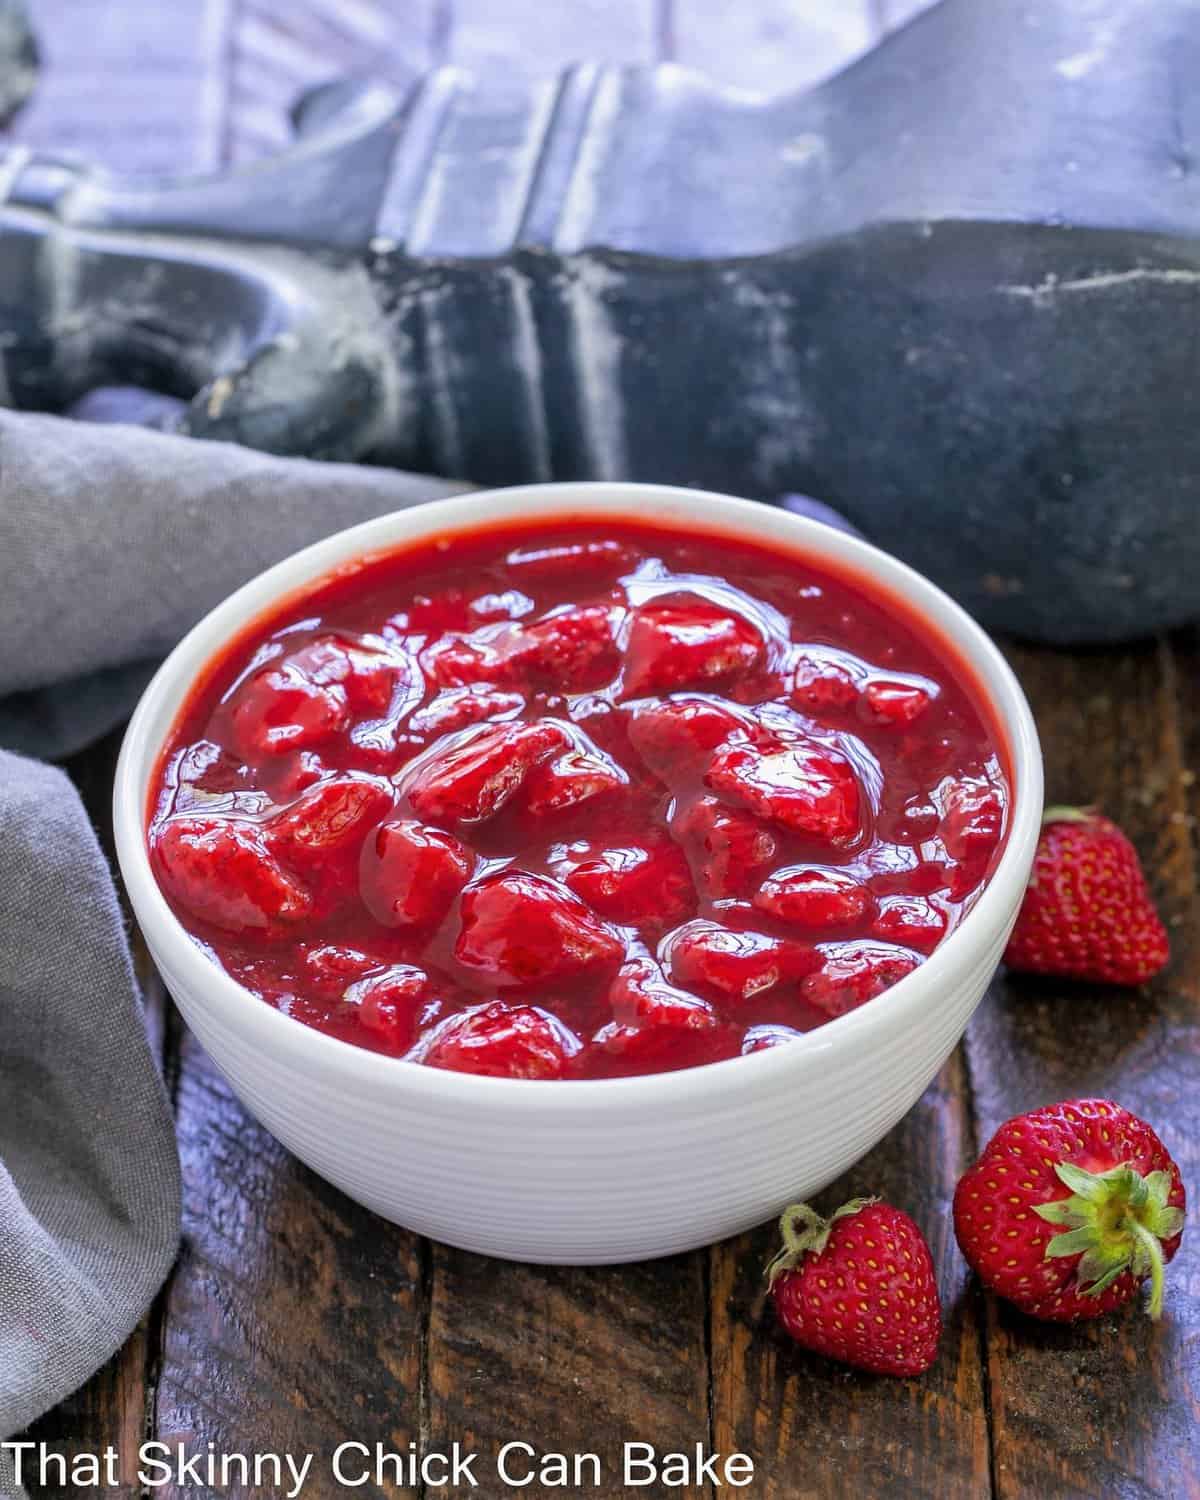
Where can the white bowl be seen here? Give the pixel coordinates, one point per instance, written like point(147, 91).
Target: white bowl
point(598, 1170)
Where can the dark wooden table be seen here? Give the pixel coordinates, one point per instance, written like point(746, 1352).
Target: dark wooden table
point(296, 1320)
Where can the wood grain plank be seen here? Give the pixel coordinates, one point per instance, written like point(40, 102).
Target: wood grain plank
point(772, 46)
point(569, 1359)
point(294, 1320)
point(816, 1429)
point(1107, 1409)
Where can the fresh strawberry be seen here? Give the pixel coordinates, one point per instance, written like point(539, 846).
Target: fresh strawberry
point(858, 1287)
point(1069, 1209)
point(1087, 913)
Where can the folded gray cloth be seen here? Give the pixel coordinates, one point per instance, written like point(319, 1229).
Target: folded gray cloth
point(113, 541)
point(89, 1181)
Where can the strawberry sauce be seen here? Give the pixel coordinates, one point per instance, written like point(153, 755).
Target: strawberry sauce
point(576, 801)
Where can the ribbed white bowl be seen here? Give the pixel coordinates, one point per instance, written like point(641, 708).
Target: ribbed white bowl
point(605, 1170)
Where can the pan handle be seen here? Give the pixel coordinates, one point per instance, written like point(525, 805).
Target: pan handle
point(269, 347)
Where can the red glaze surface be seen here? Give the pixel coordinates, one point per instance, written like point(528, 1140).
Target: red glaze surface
point(577, 801)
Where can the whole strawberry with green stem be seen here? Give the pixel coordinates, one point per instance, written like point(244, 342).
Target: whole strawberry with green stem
point(1087, 913)
point(1070, 1209)
point(858, 1287)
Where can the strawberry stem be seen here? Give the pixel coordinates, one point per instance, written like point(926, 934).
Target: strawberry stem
point(1063, 814)
point(803, 1229)
point(1151, 1248)
point(1114, 1222)
point(805, 1232)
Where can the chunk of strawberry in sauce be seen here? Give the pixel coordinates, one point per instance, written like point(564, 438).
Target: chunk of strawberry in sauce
point(463, 662)
point(814, 897)
point(462, 707)
point(396, 1005)
point(635, 884)
point(411, 873)
point(570, 780)
point(728, 847)
point(913, 921)
point(896, 703)
point(643, 999)
point(854, 972)
point(972, 818)
point(434, 614)
point(676, 736)
point(656, 1025)
point(573, 649)
point(739, 964)
point(519, 928)
point(279, 710)
point(295, 773)
point(912, 823)
point(330, 818)
point(826, 680)
point(329, 969)
point(368, 672)
point(471, 781)
point(800, 785)
point(505, 1041)
point(221, 870)
point(683, 640)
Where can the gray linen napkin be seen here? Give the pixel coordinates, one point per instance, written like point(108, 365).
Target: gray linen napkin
point(113, 541)
point(89, 1182)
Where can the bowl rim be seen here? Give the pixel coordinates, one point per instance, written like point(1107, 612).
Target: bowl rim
point(284, 1037)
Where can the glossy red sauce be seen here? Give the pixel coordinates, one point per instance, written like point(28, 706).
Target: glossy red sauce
point(577, 800)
